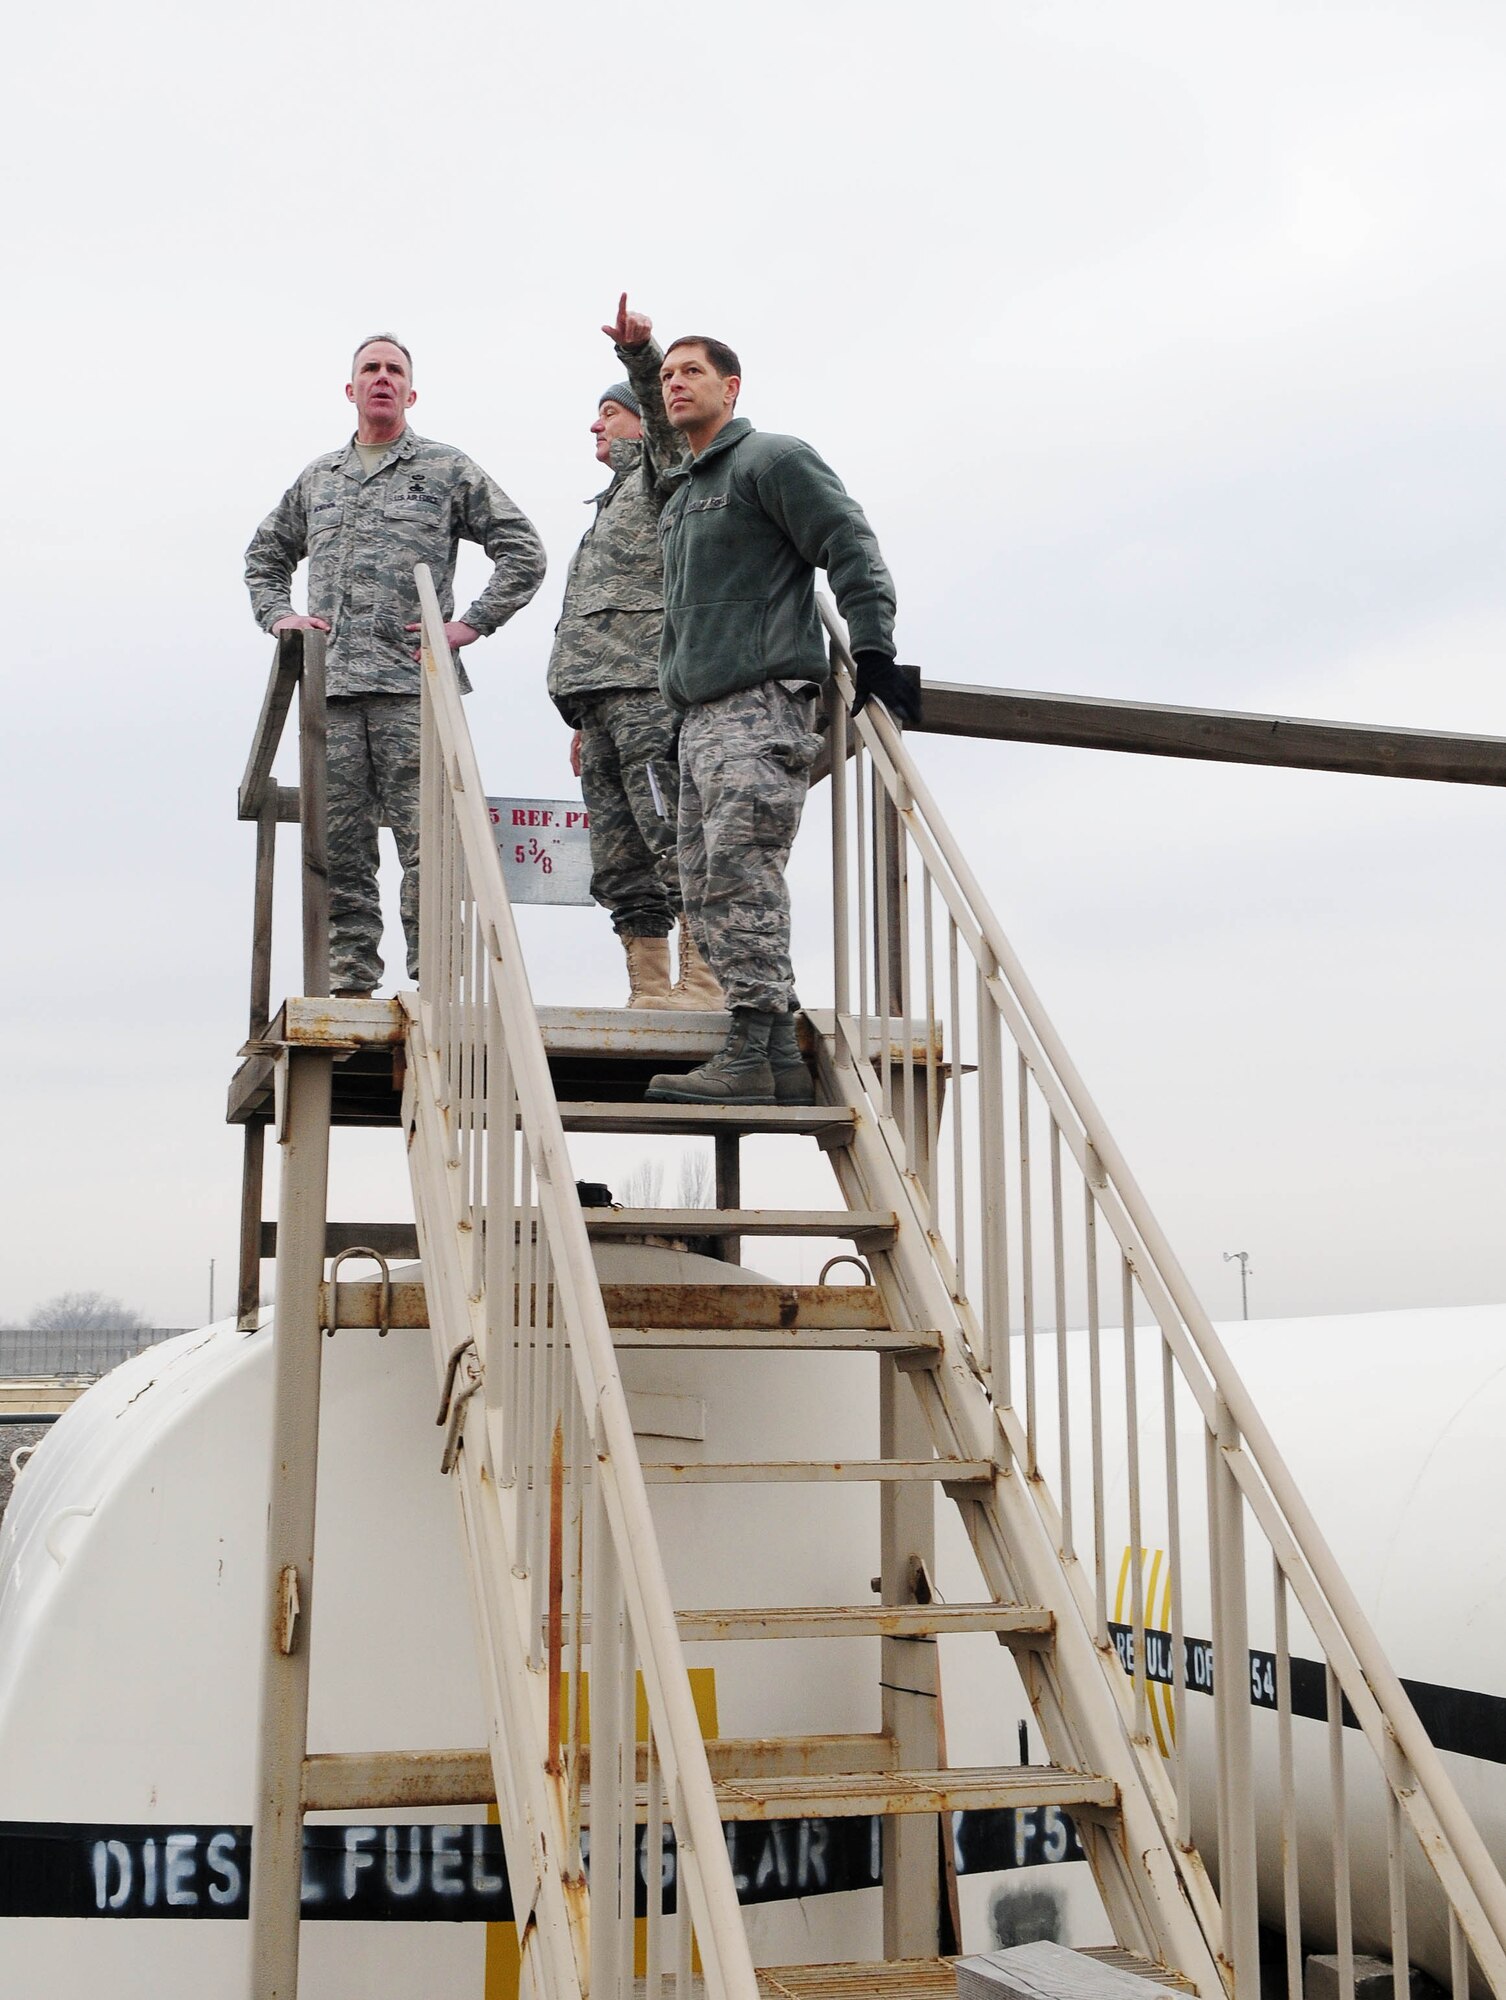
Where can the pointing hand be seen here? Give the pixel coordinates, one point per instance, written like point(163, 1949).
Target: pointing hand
point(631, 329)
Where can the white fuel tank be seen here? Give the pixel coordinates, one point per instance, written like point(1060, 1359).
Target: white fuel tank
point(131, 1595)
point(131, 1627)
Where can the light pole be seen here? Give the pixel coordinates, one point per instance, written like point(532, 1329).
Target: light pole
point(211, 1291)
point(1243, 1257)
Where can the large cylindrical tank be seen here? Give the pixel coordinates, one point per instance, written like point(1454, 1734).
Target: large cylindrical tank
point(131, 1627)
point(1393, 1426)
point(132, 1582)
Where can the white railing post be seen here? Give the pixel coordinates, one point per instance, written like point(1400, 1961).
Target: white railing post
point(297, 1340)
point(476, 1015)
point(1244, 1470)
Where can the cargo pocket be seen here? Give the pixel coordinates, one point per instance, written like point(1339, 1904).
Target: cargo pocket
point(776, 815)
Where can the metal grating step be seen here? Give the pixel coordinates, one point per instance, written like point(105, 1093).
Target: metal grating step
point(906, 1978)
point(900, 1979)
point(909, 1979)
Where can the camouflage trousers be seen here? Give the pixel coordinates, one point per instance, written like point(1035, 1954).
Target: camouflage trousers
point(634, 870)
point(744, 770)
point(373, 776)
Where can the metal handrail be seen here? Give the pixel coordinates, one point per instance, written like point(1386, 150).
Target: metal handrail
point(1241, 1444)
point(511, 1228)
point(297, 666)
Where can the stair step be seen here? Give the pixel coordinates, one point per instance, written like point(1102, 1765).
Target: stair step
point(784, 1308)
point(832, 1123)
point(739, 1758)
point(857, 1794)
point(781, 1318)
point(841, 1471)
point(875, 1228)
point(890, 1979)
point(693, 1315)
point(364, 1781)
point(1023, 1622)
point(907, 1978)
point(775, 1340)
point(375, 1780)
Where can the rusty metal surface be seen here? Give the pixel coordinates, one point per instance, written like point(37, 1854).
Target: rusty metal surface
point(853, 1794)
point(1013, 1622)
point(874, 1227)
point(857, 1794)
point(945, 1472)
point(640, 1314)
point(359, 1781)
point(901, 1979)
point(781, 1307)
point(737, 1758)
point(1131, 1961)
point(311, 1023)
point(779, 1340)
point(916, 1978)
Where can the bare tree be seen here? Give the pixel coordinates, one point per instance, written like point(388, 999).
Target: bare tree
point(85, 1312)
point(694, 1189)
point(643, 1186)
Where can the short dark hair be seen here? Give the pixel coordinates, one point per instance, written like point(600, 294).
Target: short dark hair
point(371, 341)
point(718, 353)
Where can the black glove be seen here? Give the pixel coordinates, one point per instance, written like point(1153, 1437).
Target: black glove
point(881, 679)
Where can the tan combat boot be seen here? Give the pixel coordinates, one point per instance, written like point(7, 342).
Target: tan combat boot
point(648, 972)
point(696, 988)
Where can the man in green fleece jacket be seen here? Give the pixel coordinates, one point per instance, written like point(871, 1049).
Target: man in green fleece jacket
point(742, 659)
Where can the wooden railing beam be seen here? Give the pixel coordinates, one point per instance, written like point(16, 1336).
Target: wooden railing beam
point(1228, 736)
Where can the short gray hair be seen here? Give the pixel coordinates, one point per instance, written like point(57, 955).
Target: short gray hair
point(371, 341)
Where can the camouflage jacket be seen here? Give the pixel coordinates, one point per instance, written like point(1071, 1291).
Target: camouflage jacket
point(607, 640)
point(363, 532)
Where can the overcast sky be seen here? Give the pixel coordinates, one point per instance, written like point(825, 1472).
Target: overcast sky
point(1162, 343)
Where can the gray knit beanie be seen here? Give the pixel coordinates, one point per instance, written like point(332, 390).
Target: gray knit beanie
point(621, 392)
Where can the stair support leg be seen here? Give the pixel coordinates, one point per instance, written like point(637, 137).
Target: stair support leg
point(297, 1338)
point(909, 1675)
point(1231, 1696)
point(729, 1190)
point(248, 1291)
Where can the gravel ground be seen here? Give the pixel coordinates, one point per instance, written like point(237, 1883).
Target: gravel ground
point(12, 1437)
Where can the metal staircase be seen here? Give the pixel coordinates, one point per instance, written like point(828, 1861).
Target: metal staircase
point(1041, 1362)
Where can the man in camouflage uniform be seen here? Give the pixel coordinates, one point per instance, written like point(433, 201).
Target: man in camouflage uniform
point(743, 659)
point(364, 515)
point(604, 679)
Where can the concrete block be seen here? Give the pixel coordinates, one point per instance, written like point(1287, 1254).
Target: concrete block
point(1372, 1978)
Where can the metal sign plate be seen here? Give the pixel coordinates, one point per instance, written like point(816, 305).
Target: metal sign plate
point(545, 845)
